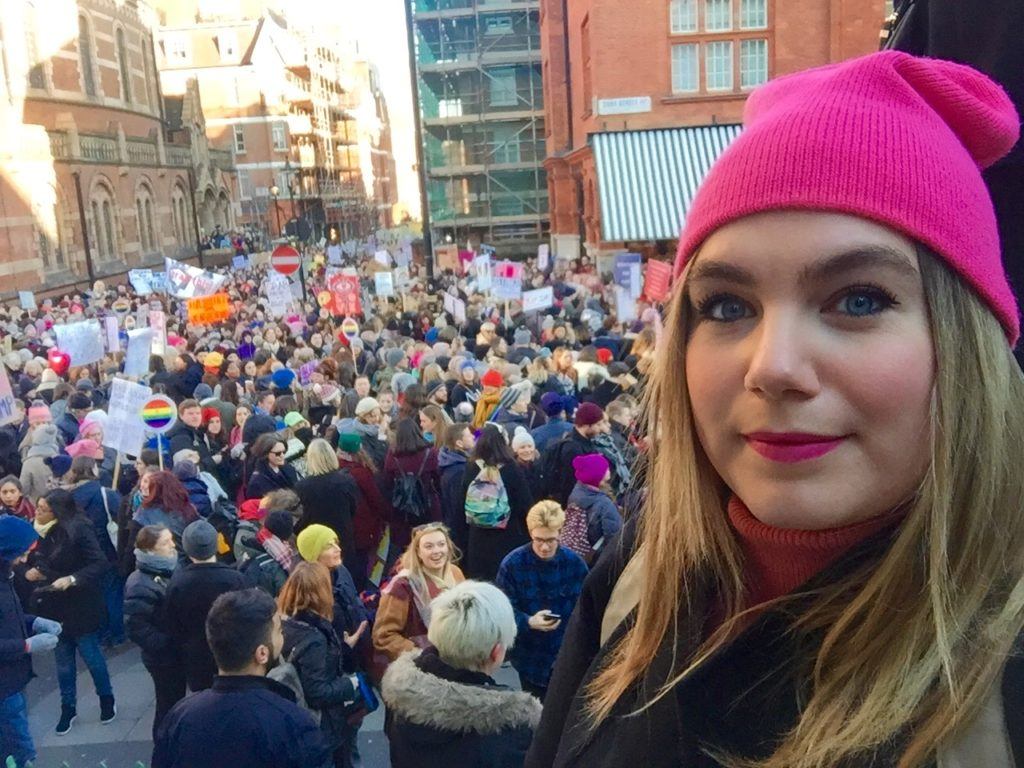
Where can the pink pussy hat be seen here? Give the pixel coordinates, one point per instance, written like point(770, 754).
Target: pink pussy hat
point(888, 137)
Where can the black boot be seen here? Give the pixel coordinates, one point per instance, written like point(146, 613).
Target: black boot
point(67, 719)
point(108, 710)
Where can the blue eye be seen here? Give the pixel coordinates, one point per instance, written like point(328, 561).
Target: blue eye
point(724, 308)
point(864, 302)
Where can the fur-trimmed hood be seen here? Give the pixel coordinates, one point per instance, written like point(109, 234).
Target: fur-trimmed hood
point(425, 699)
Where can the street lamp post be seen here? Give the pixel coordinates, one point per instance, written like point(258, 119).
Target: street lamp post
point(274, 192)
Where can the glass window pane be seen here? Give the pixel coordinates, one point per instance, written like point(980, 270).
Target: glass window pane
point(503, 87)
point(685, 74)
point(753, 14)
point(239, 139)
point(717, 15)
point(718, 65)
point(684, 16)
point(753, 63)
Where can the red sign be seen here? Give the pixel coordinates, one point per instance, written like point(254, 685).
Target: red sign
point(658, 280)
point(285, 259)
point(344, 291)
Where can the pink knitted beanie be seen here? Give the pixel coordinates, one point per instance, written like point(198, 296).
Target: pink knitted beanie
point(888, 137)
point(590, 468)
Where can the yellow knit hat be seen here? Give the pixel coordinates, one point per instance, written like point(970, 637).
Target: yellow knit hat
point(314, 540)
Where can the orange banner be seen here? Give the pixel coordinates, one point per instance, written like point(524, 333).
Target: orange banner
point(209, 309)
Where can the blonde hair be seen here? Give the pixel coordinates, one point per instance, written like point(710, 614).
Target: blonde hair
point(410, 560)
point(468, 621)
point(954, 568)
point(545, 514)
point(321, 459)
point(308, 589)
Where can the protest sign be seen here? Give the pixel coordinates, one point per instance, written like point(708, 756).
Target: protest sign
point(659, 280)
point(141, 280)
point(159, 413)
point(384, 284)
point(447, 257)
point(449, 304)
point(460, 311)
point(158, 282)
point(625, 305)
point(382, 257)
point(507, 280)
point(83, 342)
point(112, 334)
point(123, 430)
point(158, 322)
point(482, 267)
point(334, 254)
point(542, 298)
point(345, 293)
point(136, 356)
point(27, 299)
point(543, 257)
point(279, 294)
point(7, 412)
point(207, 310)
point(402, 278)
point(188, 282)
point(404, 257)
point(349, 328)
point(240, 262)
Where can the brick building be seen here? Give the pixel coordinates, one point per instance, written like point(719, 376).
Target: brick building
point(641, 97)
point(83, 146)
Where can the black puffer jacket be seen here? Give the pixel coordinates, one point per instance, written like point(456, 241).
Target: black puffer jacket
point(442, 716)
point(144, 615)
point(313, 647)
point(15, 627)
point(71, 549)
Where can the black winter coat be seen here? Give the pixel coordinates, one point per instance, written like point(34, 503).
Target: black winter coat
point(89, 496)
point(190, 594)
point(330, 500)
point(442, 717)
point(71, 549)
point(452, 467)
point(316, 651)
point(557, 462)
point(240, 721)
point(487, 547)
point(263, 480)
point(15, 628)
point(183, 437)
point(145, 618)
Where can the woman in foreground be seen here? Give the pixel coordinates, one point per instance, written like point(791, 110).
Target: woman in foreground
point(830, 567)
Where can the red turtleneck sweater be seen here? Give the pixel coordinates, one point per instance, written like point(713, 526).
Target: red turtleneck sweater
point(778, 560)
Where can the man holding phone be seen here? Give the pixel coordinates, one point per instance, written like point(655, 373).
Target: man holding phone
point(542, 580)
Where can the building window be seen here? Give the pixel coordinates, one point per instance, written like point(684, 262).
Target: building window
point(141, 216)
point(717, 15)
point(176, 46)
point(503, 87)
point(147, 68)
point(753, 14)
point(37, 68)
point(718, 65)
point(227, 42)
point(122, 66)
point(753, 63)
point(244, 184)
point(85, 60)
point(498, 25)
point(685, 68)
point(684, 16)
point(505, 144)
point(279, 138)
point(239, 133)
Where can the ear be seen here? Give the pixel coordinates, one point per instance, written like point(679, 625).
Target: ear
point(497, 654)
point(262, 654)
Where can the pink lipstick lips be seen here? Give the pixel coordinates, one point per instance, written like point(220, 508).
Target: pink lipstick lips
point(792, 447)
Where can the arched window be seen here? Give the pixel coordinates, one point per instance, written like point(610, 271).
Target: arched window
point(144, 215)
point(150, 228)
point(122, 65)
point(85, 58)
point(104, 223)
point(147, 68)
point(180, 214)
point(140, 215)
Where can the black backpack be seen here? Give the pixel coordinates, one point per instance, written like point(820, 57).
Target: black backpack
point(409, 497)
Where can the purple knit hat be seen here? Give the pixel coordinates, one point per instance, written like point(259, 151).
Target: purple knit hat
point(887, 137)
point(590, 468)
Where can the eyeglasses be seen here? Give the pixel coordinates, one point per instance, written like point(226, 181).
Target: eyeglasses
point(545, 542)
point(277, 453)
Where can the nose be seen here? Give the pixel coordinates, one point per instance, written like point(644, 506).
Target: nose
point(781, 359)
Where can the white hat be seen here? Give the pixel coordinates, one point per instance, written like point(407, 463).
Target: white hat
point(366, 405)
point(522, 439)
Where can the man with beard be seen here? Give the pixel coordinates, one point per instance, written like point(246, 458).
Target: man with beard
point(245, 718)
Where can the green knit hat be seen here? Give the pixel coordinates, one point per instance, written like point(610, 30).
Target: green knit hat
point(350, 442)
point(313, 541)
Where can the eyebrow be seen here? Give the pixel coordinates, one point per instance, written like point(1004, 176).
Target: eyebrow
point(870, 256)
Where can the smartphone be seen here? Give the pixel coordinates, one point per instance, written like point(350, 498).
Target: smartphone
point(553, 616)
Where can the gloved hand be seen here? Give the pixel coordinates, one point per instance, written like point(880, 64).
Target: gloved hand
point(41, 642)
point(47, 626)
point(238, 451)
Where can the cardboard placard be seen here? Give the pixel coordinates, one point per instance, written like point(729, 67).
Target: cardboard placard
point(658, 280)
point(384, 284)
point(402, 278)
point(279, 294)
point(158, 322)
point(136, 356)
point(542, 298)
point(460, 311)
point(404, 257)
point(507, 280)
point(141, 280)
point(207, 310)
point(382, 257)
point(240, 262)
point(447, 257)
point(482, 267)
point(83, 342)
point(27, 299)
point(345, 294)
point(334, 254)
point(112, 334)
point(187, 282)
point(123, 430)
point(7, 412)
point(625, 305)
point(543, 257)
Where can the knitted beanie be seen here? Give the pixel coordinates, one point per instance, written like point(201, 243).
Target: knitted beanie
point(393, 357)
point(16, 536)
point(280, 523)
point(588, 414)
point(350, 442)
point(199, 540)
point(283, 378)
point(313, 540)
point(590, 468)
point(39, 413)
point(552, 404)
point(522, 439)
point(522, 337)
point(492, 379)
point(887, 137)
point(209, 414)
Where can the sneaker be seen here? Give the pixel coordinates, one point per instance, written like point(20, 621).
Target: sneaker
point(67, 719)
point(108, 710)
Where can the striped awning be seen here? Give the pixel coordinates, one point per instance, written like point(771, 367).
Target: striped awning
point(647, 179)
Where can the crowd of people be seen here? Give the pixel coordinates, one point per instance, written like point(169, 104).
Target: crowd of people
point(809, 553)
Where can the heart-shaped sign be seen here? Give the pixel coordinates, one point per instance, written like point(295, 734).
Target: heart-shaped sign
point(59, 361)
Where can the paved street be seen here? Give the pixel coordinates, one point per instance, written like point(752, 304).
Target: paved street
point(125, 743)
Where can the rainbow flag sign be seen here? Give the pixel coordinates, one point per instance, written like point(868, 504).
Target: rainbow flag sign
point(159, 414)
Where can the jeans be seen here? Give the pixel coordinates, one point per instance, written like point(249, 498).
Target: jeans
point(113, 595)
point(15, 740)
point(88, 646)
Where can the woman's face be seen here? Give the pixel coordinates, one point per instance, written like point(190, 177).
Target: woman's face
point(213, 426)
point(144, 484)
point(330, 557)
point(432, 550)
point(426, 423)
point(94, 432)
point(44, 514)
point(233, 371)
point(810, 366)
point(526, 453)
point(165, 545)
point(276, 456)
point(242, 415)
point(316, 340)
point(10, 495)
point(250, 368)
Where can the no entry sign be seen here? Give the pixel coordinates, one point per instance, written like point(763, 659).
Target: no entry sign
point(285, 259)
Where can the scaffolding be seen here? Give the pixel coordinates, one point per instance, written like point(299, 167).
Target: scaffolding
point(482, 113)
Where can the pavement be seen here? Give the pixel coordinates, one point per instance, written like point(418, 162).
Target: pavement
point(125, 742)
